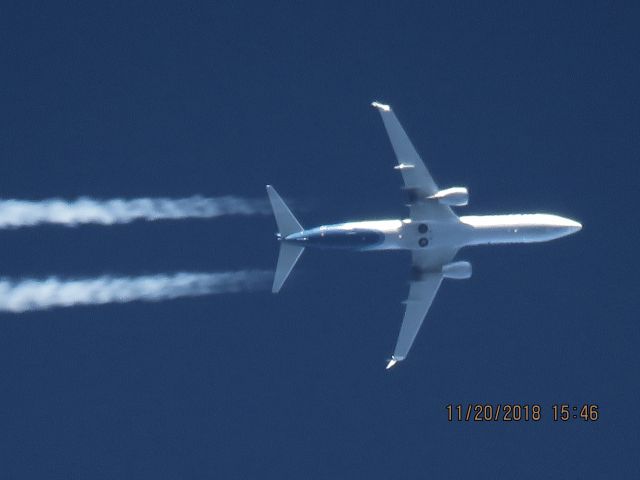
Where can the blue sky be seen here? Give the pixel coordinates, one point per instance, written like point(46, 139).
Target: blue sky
point(533, 107)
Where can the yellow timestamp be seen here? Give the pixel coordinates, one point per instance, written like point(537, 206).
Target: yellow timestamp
point(520, 412)
point(564, 412)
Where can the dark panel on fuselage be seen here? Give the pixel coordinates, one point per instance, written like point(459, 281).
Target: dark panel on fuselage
point(354, 239)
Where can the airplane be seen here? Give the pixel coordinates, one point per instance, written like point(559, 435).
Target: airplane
point(432, 232)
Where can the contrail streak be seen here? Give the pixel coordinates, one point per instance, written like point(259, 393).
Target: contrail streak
point(41, 294)
point(25, 213)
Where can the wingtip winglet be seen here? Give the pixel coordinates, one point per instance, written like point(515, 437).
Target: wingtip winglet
point(393, 360)
point(381, 106)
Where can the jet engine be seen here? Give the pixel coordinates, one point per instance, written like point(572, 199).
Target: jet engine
point(457, 270)
point(454, 196)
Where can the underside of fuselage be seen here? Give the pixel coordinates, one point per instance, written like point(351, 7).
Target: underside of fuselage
point(333, 238)
point(458, 233)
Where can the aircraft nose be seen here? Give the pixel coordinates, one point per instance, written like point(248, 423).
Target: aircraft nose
point(571, 226)
point(574, 226)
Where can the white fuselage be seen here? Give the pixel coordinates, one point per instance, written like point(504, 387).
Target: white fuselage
point(457, 232)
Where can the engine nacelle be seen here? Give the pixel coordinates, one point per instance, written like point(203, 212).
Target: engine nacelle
point(457, 270)
point(454, 196)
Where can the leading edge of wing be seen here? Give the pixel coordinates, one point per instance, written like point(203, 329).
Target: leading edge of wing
point(417, 180)
point(427, 273)
point(413, 170)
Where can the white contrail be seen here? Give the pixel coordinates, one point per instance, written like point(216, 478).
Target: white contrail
point(41, 294)
point(24, 213)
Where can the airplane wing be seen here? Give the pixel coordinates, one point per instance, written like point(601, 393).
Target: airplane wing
point(417, 179)
point(427, 275)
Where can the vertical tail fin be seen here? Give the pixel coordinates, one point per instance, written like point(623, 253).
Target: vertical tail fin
point(287, 224)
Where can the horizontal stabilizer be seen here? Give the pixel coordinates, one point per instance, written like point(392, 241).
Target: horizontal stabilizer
point(289, 255)
point(287, 223)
